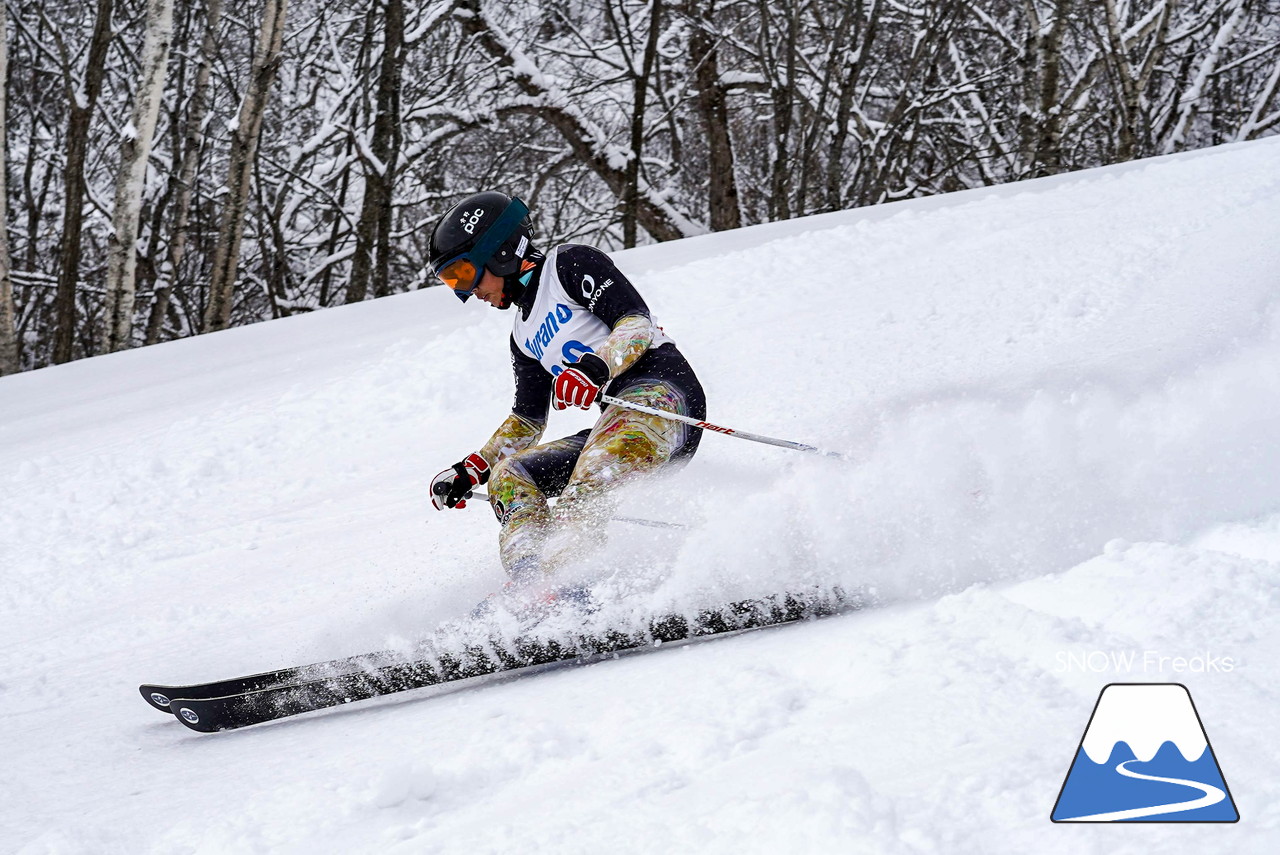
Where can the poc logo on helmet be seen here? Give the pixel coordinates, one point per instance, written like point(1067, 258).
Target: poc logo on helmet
point(471, 220)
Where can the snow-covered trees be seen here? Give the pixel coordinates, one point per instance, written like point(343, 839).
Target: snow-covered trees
point(300, 166)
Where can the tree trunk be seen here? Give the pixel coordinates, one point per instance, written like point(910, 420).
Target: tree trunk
point(83, 100)
point(193, 140)
point(1048, 150)
point(8, 332)
point(781, 73)
point(724, 209)
point(244, 150)
point(373, 230)
point(855, 61)
point(639, 99)
point(1042, 112)
point(135, 148)
point(1126, 145)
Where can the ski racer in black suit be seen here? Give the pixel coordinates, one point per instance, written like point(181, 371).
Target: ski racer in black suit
point(580, 328)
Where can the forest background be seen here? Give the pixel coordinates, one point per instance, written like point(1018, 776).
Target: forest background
point(172, 168)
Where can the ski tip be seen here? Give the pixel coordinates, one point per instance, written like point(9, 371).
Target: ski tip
point(157, 697)
point(193, 715)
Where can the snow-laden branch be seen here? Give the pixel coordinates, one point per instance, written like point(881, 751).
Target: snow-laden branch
point(543, 98)
point(1190, 100)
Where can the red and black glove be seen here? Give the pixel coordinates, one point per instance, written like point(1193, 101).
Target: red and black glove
point(452, 487)
point(580, 383)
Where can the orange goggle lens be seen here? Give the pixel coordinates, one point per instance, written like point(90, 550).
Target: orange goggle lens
point(460, 275)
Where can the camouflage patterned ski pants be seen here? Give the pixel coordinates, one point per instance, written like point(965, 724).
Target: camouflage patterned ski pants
point(582, 470)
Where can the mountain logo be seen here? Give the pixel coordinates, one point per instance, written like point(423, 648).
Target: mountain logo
point(1144, 757)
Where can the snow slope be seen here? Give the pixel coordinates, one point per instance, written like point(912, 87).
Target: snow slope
point(1063, 398)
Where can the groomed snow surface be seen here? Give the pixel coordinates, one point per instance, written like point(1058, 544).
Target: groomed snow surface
point(1063, 399)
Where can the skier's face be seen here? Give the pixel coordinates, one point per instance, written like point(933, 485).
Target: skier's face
point(490, 289)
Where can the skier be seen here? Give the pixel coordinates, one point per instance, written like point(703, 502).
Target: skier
point(580, 328)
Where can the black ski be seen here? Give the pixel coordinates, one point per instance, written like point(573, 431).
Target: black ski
point(159, 697)
point(464, 652)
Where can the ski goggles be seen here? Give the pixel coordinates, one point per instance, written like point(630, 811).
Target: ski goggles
point(462, 273)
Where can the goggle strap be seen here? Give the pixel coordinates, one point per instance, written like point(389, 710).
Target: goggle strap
point(498, 232)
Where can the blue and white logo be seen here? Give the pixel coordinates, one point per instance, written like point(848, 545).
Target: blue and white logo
point(1145, 757)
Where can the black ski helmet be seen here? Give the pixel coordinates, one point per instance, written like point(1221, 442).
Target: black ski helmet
point(463, 227)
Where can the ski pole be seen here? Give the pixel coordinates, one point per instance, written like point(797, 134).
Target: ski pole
point(740, 434)
point(481, 494)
